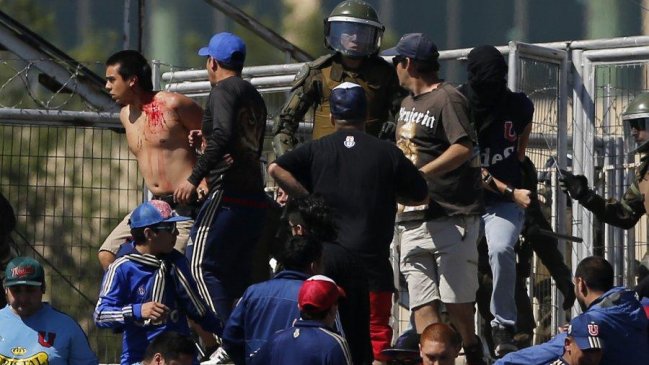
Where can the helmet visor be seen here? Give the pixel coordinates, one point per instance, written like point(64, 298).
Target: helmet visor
point(354, 39)
point(636, 134)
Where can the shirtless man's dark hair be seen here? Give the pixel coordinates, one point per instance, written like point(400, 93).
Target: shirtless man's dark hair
point(132, 63)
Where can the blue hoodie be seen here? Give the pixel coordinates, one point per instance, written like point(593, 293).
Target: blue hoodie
point(622, 329)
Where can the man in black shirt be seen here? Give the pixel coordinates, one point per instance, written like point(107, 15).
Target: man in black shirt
point(311, 216)
point(361, 177)
point(231, 220)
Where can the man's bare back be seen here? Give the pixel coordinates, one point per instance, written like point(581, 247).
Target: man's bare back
point(157, 132)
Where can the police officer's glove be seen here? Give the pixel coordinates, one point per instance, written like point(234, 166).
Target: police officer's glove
point(388, 131)
point(575, 185)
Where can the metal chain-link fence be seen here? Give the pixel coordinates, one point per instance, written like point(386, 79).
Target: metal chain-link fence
point(71, 182)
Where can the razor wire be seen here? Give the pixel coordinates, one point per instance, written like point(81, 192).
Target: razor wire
point(22, 85)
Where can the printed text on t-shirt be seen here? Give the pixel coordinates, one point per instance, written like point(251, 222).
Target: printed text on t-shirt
point(413, 116)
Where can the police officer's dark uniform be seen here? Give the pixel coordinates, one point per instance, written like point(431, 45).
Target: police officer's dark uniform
point(354, 32)
point(626, 212)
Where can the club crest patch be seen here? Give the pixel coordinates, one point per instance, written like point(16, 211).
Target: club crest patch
point(593, 329)
point(349, 142)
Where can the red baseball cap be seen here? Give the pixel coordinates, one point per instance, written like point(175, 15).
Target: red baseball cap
point(318, 294)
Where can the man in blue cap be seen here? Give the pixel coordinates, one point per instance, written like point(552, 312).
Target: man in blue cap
point(582, 345)
point(361, 177)
point(32, 332)
point(150, 289)
point(230, 221)
point(620, 319)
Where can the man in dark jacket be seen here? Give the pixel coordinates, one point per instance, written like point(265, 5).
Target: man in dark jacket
point(621, 321)
point(270, 306)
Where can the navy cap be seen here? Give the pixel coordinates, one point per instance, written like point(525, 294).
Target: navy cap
point(348, 102)
point(154, 212)
point(24, 271)
point(405, 348)
point(226, 48)
point(416, 46)
point(584, 330)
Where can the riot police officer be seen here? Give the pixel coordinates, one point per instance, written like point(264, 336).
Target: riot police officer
point(353, 31)
point(626, 212)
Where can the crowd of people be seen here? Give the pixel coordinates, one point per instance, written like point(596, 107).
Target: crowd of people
point(398, 157)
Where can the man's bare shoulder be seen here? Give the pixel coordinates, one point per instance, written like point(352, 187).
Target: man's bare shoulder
point(124, 115)
point(174, 100)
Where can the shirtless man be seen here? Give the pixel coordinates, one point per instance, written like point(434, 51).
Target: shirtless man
point(157, 125)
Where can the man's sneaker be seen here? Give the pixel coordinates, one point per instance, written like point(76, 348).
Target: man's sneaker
point(220, 357)
point(503, 341)
point(473, 354)
point(206, 355)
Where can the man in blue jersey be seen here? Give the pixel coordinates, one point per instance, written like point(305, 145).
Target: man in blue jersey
point(151, 289)
point(621, 321)
point(32, 332)
point(311, 340)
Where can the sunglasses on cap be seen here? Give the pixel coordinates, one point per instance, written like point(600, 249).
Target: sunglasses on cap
point(398, 59)
point(169, 227)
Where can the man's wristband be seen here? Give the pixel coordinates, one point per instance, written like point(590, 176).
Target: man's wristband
point(487, 178)
point(508, 193)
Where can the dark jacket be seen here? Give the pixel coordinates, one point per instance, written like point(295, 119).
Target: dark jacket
point(306, 343)
point(264, 309)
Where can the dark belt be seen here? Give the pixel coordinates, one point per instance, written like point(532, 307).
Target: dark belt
point(261, 204)
point(187, 210)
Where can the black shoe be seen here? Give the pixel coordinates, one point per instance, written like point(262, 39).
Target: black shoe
point(473, 354)
point(568, 296)
point(503, 341)
point(523, 340)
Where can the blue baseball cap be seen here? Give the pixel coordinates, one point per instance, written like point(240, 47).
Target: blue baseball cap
point(154, 212)
point(584, 330)
point(348, 102)
point(416, 46)
point(225, 47)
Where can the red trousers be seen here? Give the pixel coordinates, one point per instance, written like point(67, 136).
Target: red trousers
point(380, 330)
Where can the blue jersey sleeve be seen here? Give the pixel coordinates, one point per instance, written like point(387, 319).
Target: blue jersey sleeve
point(234, 341)
point(536, 355)
point(112, 310)
point(339, 354)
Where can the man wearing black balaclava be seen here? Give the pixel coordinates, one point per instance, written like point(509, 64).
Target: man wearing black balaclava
point(503, 122)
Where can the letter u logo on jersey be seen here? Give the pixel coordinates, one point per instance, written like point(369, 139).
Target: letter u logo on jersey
point(510, 134)
point(46, 339)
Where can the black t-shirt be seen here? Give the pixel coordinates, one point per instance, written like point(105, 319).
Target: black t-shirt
point(499, 140)
point(234, 122)
point(360, 176)
point(427, 125)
